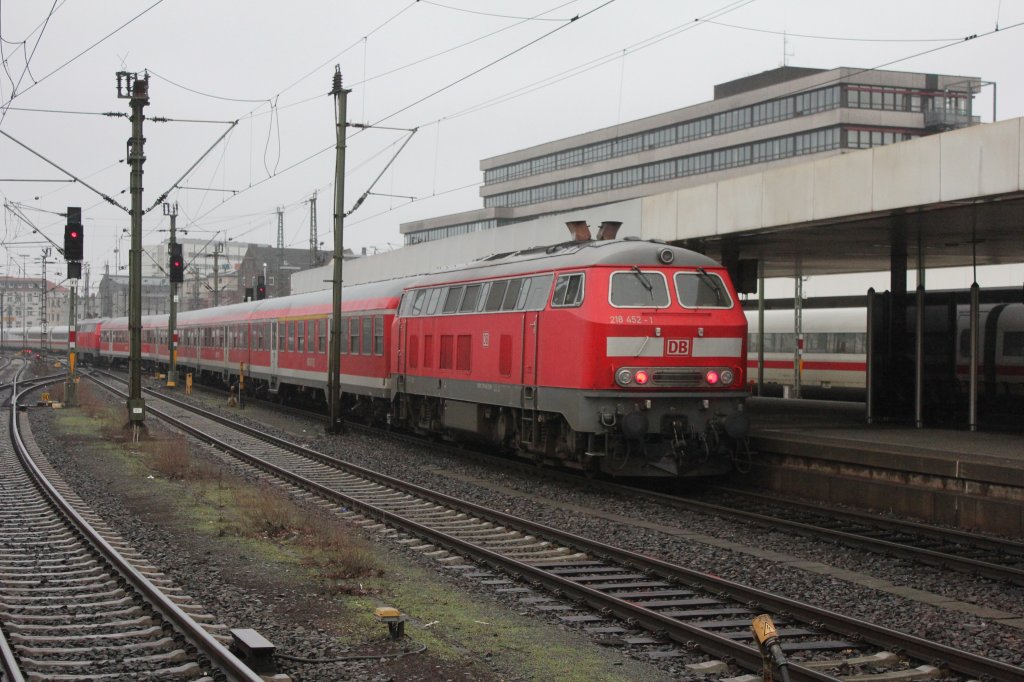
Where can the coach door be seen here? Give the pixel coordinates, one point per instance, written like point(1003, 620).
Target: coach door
point(273, 354)
point(225, 345)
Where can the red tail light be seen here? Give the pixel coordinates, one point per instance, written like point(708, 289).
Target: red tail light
point(711, 377)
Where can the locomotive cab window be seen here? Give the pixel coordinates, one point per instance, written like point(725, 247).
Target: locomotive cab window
point(702, 289)
point(636, 288)
point(568, 291)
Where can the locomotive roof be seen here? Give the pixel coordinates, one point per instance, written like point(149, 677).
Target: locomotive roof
point(570, 255)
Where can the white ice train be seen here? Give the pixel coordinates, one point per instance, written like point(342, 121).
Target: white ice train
point(835, 344)
point(33, 339)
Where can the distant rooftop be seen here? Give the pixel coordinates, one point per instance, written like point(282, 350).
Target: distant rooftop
point(763, 80)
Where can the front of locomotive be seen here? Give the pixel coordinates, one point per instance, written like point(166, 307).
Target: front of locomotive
point(673, 368)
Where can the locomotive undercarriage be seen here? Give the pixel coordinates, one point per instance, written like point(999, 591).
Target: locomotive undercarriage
point(624, 445)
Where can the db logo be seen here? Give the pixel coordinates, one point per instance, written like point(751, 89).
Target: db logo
point(677, 347)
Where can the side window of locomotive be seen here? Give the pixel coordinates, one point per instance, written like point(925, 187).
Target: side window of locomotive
point(452, 299)
point(470, 299)
point(512, 294)
point(701, 290)
point(638, 289)
point(419, 299)
point(568, 291)
point(495, 295)
point(435, 296)
point(536, 297)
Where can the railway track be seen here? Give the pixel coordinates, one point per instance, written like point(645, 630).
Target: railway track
point(987, 556)
point(991, 557)
point(607, 586)
point(75, 601)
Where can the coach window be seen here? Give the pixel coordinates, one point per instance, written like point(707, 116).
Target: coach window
point(965, 343)
point(638, 289)
point(367, 341)
point(321, 335)
point(282, 335)
point(452, 299)
point(378, 335)
point(470, 299)
point(568, 291)
point(353, 335)
point(1013, 344)
point(701, 290)
point(300, 336)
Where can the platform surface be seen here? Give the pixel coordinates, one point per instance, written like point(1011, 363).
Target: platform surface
point(834, 421)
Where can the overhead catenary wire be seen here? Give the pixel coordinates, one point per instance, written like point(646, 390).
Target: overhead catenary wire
point(108, 199)
point(422, 99)
point(28, 58)
point(83, 52)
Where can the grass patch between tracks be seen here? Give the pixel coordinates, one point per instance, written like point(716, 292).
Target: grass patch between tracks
point(280, 541)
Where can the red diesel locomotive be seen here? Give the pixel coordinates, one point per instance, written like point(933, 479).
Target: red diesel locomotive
point(622, 357)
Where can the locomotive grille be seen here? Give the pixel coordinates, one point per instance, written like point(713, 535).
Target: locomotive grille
point(677, 377)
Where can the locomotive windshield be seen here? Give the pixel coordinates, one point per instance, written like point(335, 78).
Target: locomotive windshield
point(639, 289)
point(701, 289)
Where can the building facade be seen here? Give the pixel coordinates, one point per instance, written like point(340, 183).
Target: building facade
point(772, 118)
point(21, 304)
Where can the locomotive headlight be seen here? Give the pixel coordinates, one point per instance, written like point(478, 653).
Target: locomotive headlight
point(624, 377)
point(711, 377)
point(641, 377)
point(727, 377)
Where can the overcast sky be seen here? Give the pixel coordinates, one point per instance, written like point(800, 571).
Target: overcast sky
point(475, 79)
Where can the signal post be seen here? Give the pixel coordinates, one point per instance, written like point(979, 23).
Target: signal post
point(176, 275)
point(74, 251)
point(136, 90)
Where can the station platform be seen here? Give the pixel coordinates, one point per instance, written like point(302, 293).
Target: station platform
point(826, 451)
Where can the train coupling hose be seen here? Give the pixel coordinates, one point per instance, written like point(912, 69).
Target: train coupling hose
point(771, 649)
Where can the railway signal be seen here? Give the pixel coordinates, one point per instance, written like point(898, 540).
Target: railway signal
point(177, 264)
point(261, 288)
point(74, 235)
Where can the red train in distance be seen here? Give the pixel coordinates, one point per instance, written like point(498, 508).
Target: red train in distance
point(619, 357)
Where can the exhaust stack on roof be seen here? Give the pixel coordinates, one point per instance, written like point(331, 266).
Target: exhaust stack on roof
point(579, 230)
point(608, 229)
